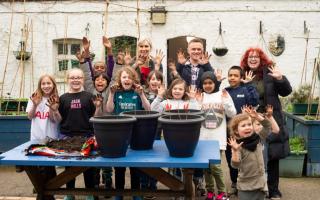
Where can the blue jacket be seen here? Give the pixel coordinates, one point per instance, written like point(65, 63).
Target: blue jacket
point(245, 94)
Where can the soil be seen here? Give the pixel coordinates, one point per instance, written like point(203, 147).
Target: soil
point(69, 144)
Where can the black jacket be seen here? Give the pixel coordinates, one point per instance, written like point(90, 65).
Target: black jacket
point(278, 143)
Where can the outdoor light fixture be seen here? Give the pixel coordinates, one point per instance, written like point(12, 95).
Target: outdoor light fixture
point(158, 15)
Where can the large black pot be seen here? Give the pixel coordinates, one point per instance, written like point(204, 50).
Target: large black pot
point(113, 134)
point(183, 111)
point(181, 133)
point(144, 129)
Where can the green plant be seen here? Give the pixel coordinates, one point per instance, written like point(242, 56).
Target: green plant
point(302, 94)
point(297, 145)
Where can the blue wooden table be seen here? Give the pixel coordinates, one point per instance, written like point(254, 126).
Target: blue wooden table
point(150, 161)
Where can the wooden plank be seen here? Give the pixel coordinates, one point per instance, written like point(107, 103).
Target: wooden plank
point(188, 184)
point(65, 177)
point(125, 192)
point(164, 177)
point(35, 178)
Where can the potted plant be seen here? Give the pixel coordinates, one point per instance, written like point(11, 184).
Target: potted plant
point(292, 166)
point(300, 99)
point(113, 134)
point(144, 129)
point(181, 133)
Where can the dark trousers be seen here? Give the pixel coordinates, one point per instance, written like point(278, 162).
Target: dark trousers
point(89, 178)
point(120, 177)
point(233, 171)
point(273, 177)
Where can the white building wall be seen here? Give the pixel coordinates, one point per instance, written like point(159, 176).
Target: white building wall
point(240, 23)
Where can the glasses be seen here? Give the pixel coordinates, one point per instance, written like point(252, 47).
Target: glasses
point(254, 57)
point(75, 78)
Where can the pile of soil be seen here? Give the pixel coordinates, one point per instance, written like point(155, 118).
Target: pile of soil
point(69, 144)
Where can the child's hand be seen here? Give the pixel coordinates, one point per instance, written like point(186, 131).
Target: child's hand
point(181, 57)
point(205, 58)
point(114, 88)
point(199, 96)
point(234, 145)
point(161, 90)
point(106, 42)
point(141, 60)
point(138, 88)
point(269, 111)
point(85, 44)
point(192, 92)
point(158, 58)
point(53, 102)
point(172, 67)
point(224, 94)
point(275, 72)
point(81, 56)
point(127, 57)
point(97, 100)
point(35, 98)
point(248, 77)
point(218, 74)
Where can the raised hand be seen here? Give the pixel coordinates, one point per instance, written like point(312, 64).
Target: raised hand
point(275, 72)
point(81, 56)
point(218, 74)
point(192, 92)
point(127, 57)
point(269, 110)
point(248, 77)
point(53, 103)
point(172, 67)
point(35, 98)
point(234, 145)
point(86, 44)
point(141, 60)
point(158, 58)
point(98, 100)
point(181, 57)
point(138, 88)
point(199, 96)
point(224, 94)
point(205, 58)
point(161, 90)
point(106, 42)
point(115, 87)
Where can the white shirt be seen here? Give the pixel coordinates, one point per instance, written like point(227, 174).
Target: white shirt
point(41, 125)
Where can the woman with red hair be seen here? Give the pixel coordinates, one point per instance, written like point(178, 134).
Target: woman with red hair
point(270, 83)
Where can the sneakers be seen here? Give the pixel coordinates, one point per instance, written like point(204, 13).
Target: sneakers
point(275, 197)
point(149, 198)
point(222, 196)
point(68, 197)
point(234, 190)
point(210, 196)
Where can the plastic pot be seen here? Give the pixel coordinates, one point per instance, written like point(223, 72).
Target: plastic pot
point(113, 134)
point(181, 133)
point(144, 129)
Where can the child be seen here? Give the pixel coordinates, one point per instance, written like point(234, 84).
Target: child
point(126, 95)
point(242, 93)
point(216, 105)
point(192, 69)
point(75, 109)
point(247, 155)
point(178, 97)
point(42, 122)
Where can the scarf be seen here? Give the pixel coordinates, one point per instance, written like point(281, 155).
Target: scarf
point(250, 143)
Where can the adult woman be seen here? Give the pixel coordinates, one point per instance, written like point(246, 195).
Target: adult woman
point(270, 83)
point(145, 63)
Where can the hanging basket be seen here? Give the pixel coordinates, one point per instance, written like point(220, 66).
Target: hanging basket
point(220, 49)
point(22, 55)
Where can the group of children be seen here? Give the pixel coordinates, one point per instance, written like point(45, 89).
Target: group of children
point(139, 85)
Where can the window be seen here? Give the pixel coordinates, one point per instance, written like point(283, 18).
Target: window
point(65, 51)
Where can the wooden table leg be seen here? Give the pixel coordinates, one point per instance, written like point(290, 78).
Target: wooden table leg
point(38, 176)
point(188, 184)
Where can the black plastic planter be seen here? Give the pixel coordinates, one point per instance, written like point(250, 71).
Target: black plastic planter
point(183, 112)
point(181, 133)
point(113, 134)
point(220, 51)
point(144, 129)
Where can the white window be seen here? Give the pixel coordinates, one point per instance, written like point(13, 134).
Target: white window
point(64, 52)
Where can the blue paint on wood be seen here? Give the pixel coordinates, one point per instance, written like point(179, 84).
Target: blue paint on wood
point(14, 130)
point(207, 152)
